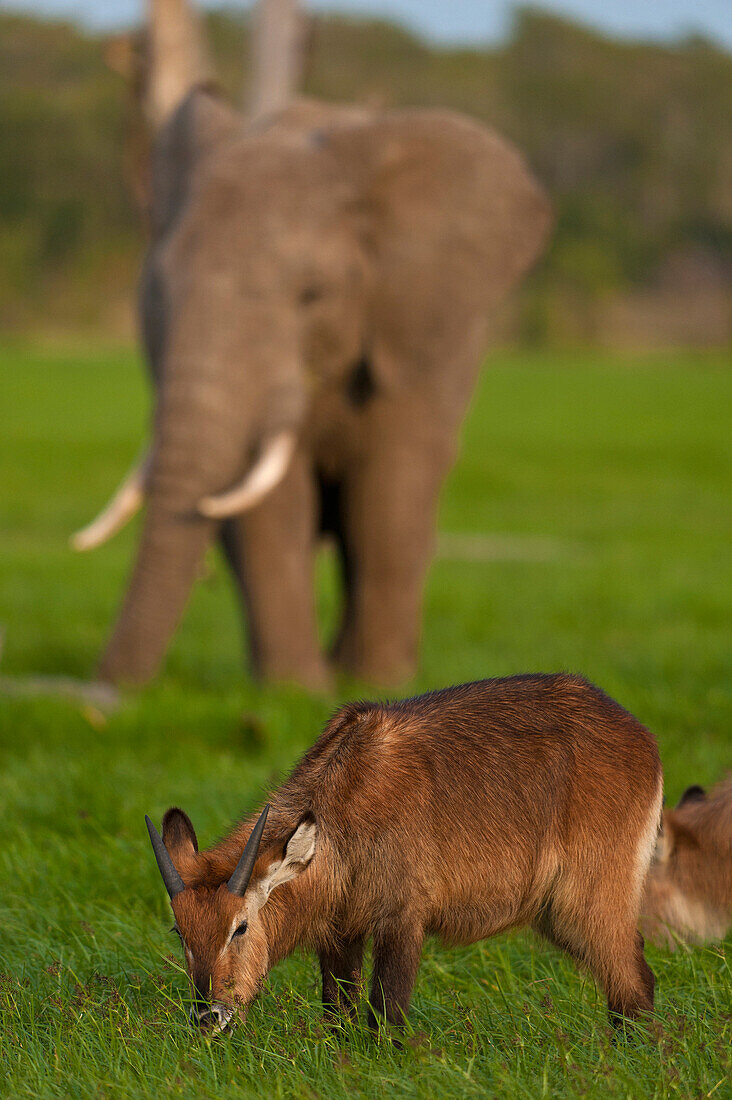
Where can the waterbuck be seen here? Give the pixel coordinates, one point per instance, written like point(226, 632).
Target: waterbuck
point(688, 892)
point(531, 800)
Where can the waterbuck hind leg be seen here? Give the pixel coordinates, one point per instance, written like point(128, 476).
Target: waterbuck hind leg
point(633, 995)
point(396, 955)
point(608, 944)
point(340, 967)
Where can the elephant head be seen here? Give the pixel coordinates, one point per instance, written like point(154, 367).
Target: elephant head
point(280, 250)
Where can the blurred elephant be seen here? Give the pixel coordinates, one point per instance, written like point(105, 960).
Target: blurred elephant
point(314, 307)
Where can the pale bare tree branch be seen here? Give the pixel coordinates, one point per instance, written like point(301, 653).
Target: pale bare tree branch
point(178, 57)
point(278, 42)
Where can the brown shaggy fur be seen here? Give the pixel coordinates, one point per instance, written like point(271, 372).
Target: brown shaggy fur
point(688, 891)
point(532, 800)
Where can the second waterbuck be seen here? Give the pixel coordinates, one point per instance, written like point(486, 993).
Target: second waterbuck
point(533, 800)
point(688, 894)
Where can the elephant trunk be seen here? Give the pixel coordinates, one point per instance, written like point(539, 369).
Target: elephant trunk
point(169, 558)
point(201, 446)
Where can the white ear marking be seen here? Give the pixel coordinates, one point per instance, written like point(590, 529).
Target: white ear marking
point(664, 844)
point(301, 845)
point(298, 854)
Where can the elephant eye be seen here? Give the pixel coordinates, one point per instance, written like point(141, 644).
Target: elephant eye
point(240, 930)
point(311, 294)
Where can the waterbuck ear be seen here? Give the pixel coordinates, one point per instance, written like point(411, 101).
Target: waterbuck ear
point(179, 836)
point(691, 794)
point(296, 854)
point(664, 841)
point(674, 834)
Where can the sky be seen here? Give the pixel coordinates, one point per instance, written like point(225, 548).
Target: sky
point(457, 21)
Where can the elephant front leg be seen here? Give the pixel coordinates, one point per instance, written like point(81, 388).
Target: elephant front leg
point(272, 550)
point(388, 521)
point(340, 966)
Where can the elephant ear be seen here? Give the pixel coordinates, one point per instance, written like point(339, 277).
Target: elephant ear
point(453, 219)
point(198, 128)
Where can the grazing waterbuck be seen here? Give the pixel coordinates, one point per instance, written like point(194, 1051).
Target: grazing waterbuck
point(531, 800)
point(688, 892)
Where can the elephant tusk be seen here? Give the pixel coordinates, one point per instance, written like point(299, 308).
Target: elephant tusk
point(122, 507)
point(266, 473)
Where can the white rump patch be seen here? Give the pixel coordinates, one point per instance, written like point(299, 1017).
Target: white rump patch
point(298, 854)
point(648, 838)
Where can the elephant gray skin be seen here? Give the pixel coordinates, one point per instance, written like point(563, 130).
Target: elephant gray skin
point(320, 282)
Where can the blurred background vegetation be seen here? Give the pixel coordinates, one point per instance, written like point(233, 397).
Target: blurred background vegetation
point(633, 142)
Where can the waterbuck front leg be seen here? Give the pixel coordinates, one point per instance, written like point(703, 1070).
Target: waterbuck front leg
point(397, 950)
point(340, 966)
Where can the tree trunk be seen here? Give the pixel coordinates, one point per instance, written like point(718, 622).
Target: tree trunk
point(177, 57)
point(278, 34)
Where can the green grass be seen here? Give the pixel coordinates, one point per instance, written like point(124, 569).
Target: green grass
point(605, 483)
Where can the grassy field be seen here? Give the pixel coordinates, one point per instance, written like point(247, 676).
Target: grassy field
point(586, 527)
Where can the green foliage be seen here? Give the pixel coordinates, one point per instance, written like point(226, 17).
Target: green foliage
point(585, 527)
point(634, 143)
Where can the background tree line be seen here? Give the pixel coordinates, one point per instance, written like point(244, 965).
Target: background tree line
point(633, 141)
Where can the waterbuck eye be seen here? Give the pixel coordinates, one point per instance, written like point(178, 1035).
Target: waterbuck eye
point(240, 930)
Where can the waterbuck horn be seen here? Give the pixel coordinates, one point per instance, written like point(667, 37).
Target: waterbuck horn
point(173, 882)
point(243, 871)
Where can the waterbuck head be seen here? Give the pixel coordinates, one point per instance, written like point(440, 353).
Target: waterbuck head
point(219, 923)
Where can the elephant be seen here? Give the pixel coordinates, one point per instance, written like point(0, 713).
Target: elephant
point(315, 303)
